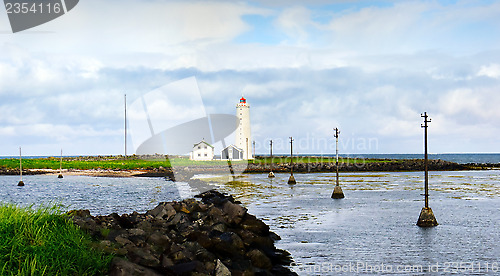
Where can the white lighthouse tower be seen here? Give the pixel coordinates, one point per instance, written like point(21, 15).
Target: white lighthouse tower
point(243, 133)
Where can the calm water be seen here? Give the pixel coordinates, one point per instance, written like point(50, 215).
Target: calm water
point(461, 158)
point(372, 230)
point(101, 195)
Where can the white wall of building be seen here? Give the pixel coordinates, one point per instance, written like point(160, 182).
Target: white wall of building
point(243, 133)
point(202, 152)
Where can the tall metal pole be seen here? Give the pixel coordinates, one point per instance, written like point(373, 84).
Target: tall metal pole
point(291, 180)
point(337, 191)
point(271, 148)
point(125, 125)
point(337, 153)
point(426, 160)
point(291, 155)
point(271, 174)
point(426, 218)
point(20, 183)
point(20, 164)
point(253, 143)
point(60, 167)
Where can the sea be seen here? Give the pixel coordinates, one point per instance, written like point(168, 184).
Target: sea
point(372, 231)
point(461, 158)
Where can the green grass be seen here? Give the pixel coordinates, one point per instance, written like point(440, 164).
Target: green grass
point(85, 163)
point(135, 163)
point(44, 241)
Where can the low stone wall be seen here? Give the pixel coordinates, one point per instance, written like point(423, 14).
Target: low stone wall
point(185, 173)
point(180, 173)
point(211, 236)
point(386, 165)
point(6, 171)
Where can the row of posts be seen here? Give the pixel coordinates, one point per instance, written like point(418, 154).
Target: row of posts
point(426, 218)
point(21, 182)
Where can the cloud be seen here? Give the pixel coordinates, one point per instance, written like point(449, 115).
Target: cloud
point(294, 21)
point(149, 26)
point(491, 70)
point(370, 69)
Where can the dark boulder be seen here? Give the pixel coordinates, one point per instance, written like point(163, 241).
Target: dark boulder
point(214, 236)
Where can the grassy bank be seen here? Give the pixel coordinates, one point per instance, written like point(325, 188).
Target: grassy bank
point(45, 242)
point(138, 163)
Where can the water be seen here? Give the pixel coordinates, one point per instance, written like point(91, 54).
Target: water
point(371, 230)
point(461, 158)
point(101, 195)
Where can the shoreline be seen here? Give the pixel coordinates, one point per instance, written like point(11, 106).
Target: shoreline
point(180, 173)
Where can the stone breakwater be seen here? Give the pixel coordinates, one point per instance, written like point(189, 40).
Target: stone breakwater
point(361, 166)
point(181, 173)
point(184, 173)
point(211, 236)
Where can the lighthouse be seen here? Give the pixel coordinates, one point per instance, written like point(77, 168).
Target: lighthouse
point(243, 133)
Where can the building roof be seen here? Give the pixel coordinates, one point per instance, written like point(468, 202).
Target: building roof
point(233, 146)
point(202, 142)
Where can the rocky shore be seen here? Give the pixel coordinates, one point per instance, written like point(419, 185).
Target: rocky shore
point(213, 235)
point(382, 165)
point(183, 173)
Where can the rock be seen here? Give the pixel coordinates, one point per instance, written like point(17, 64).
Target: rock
point(235, 212)
point(160, 241)
point(221, 269)
point(198, 251)
point(166, 262)
point(259, 259)
point(143, 257)
point(179, 219)
point(123, 240)
point(221, 227)
point(263, 242)
point(145, 225)
point(136, 232)
point(251, 223)
point(121, 267)
point(162, 211)
point(185, 268)
point(190, 205)
point(233, 239)
point(79, 213)
point(214, 236)
point(202, 239)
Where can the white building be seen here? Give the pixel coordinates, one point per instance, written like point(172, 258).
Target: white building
point(202, 151)
point(231, 153)
point(243, 133)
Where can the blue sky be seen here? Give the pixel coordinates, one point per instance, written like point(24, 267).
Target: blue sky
point(368, 67)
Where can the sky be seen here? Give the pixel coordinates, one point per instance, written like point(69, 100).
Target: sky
point(370, 68)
